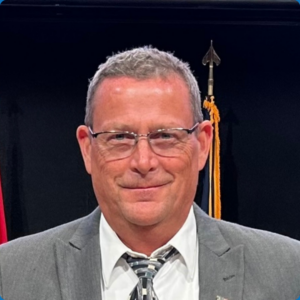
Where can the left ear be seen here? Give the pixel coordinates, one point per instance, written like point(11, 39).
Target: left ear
point(84, 141)
point(205, 135)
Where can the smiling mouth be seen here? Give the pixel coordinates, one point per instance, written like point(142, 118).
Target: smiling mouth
point(143, 187)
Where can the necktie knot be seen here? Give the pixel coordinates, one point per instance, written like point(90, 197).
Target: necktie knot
point(146, 269)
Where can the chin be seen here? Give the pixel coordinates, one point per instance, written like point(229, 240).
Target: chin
point(137, 221)
point(145, 217)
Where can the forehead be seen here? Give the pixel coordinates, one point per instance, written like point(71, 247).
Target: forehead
point(132, 100)
point(116, 85)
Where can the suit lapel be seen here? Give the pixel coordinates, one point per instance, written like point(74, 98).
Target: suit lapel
point(221, 268)
point(78, 261)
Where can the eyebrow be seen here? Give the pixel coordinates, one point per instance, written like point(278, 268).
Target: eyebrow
point(117, 127)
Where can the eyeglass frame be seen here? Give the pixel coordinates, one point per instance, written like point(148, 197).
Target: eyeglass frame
point(145, 135)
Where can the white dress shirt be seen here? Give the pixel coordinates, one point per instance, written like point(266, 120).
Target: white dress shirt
point(177, 279)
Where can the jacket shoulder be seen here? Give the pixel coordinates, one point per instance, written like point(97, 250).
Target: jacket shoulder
point(87, 225)
point(271, 261)
point(28, 264)
point(257, 239)
point(35, 242)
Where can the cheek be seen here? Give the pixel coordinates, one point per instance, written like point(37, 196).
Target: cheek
point(105, 189)
point(100, 173)
point(190, 157)
point(188, 168)
point(105, 175)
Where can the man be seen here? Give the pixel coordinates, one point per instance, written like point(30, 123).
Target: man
point(143, 143)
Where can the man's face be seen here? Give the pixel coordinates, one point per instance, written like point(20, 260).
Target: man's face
point(144, 189)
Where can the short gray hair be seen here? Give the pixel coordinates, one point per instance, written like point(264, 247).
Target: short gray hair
point(144, 63)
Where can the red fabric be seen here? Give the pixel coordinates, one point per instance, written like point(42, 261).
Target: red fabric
point(3, 234)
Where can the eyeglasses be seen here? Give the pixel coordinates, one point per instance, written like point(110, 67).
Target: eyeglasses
point(121, 144)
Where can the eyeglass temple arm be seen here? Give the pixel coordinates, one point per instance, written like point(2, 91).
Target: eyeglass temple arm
point(189, 131)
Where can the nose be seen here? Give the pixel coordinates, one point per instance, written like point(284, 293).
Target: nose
point(143, 159)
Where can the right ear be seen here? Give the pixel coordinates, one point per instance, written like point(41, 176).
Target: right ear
point(84, 140)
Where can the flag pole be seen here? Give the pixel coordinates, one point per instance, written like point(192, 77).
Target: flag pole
point(214, 201)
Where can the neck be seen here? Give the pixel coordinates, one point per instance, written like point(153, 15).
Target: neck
point(146, 240)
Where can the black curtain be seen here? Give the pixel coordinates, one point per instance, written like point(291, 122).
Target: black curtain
point(49, 53)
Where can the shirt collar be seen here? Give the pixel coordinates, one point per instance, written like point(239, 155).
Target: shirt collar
point(111, 250)
point(185, 241)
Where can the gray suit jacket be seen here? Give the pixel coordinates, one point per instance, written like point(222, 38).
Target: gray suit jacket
point(235, 263)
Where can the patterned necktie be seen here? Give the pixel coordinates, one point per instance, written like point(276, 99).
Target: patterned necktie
point(146, 269)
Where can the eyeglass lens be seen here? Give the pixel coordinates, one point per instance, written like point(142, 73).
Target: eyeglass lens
point(117, 145)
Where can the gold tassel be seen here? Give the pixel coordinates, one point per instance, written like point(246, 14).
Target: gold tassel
point(214, 159)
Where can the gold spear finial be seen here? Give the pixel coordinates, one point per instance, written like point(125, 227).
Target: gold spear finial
point(211, 57)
